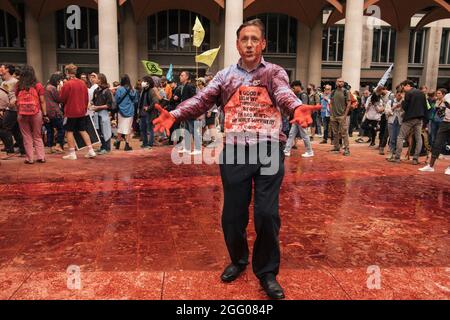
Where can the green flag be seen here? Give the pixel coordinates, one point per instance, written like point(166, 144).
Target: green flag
point(152, 68)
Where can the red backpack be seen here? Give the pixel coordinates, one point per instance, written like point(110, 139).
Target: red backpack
point(28, 102)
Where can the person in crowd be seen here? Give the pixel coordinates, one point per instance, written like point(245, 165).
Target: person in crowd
point(75, 99)
point(340, 108)
point(442, 138)
point(125, 98)
point(415, 107)
point(325, 112)
point(437, 114)
point(55, 114)
point(297, 88)
point(394, 114)
point(10, 126)
point(32, 113)
point(147, 111)
point(187, 91)
point(102, 104)
point(374, 110)
point(167, 88)
point(314, 99)
point(386, 96)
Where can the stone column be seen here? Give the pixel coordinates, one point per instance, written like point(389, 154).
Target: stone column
point(108, 39)
point(431, 60)
point(234, 16)
point(303, 50)
point(33, 44)
point(48, 43)
point(130, 44)
point(315, 53)
point(367, 46)
point(351, 65)
point(142, 46)
point(401, 57)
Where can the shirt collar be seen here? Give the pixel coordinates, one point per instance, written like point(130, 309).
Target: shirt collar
point(263, 63)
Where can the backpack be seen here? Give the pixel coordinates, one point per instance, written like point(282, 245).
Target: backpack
point(28, 102)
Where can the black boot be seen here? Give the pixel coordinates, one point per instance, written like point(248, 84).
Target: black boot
point(127, 147)
point(117, 144)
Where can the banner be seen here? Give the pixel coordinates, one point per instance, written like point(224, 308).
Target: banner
point(199, 33)
point(386, 77)
point(152, 68)
point(208, 57)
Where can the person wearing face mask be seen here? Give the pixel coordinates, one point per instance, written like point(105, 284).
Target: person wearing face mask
point(147, 112)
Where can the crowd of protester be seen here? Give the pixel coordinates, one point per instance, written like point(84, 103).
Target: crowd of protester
point(59, 114)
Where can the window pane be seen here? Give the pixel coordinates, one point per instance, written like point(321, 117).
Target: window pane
point(93, 28)
point(151, 30)
point(392, 48)
point(272, 33)
point(325, 45)
point(418, 53)
point(83, 32)
point(162, 31)
point(332, 44)
point(341, 44)
point(283, 34)
point(2, 29)
point(411, 46)
point(176, 41)
point(376, 45)
point(13, 33)
point(206, 45)
point(384, 44)
point(293, 36)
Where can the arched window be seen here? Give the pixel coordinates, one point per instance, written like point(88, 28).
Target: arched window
point(12, 31)
point(281, 33)
point(171, 30)
point(85, 38)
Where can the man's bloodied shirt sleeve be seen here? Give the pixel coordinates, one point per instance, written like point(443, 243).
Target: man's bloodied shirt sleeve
point(285, 98)
point(202, 102)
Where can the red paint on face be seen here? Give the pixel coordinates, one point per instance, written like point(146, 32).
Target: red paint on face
point(250, 45)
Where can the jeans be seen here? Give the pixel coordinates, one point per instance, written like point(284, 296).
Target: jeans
point(296, 128)
point(10, 128)
point(106, 144)
point(194, 127)
point(384, 132)
point(326, 127)
point(394, 131)
point(416, 126)
point(434, 128)
point(146, 127)
point(55, 123)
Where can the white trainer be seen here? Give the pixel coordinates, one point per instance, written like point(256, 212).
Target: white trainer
point(308, 154)
point(427, 168)
point(447, 171)
point(90, 154)
point(70, 156)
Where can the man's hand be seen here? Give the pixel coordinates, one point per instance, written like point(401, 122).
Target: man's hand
point(302, 115)
point(165, 120)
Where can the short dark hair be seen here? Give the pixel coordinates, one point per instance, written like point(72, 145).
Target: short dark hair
point(443, 91)
point(256, 23)
point(407, 82)
point(296, 83)
point(11, 69)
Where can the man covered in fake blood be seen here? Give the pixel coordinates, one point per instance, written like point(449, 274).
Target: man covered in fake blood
point(253, 93)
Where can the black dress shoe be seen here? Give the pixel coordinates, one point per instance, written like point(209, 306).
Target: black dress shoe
point(231, 273)
point(272, 287)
